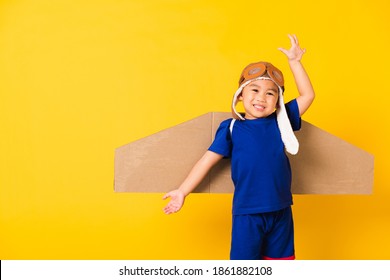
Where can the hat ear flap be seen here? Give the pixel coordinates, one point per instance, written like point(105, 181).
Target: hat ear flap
point(288, 137)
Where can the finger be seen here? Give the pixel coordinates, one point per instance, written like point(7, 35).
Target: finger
point(169, 194)
point(169, 209)
point(292, 39)
point(295, 39)
point(283, 50)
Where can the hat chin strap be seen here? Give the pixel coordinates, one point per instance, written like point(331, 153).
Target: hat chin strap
point(288, 137)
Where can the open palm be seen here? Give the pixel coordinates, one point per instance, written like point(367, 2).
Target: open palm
point(295, 53)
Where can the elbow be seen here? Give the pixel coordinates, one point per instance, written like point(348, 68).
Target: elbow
point(312, 97)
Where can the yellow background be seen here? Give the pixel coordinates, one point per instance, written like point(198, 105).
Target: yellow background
point(80, 78)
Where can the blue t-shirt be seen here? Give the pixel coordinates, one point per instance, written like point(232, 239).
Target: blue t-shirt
point(261, 170)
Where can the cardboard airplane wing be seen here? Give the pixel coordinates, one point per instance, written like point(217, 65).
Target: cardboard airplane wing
point(158, 163)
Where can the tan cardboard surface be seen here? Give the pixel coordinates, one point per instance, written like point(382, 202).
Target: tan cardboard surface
point(158, 163)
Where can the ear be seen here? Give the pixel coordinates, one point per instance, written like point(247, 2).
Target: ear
point(240, 98)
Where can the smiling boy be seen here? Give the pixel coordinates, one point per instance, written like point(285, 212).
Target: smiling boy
point(256, 143)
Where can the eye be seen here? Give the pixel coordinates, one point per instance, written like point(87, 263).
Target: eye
point(271, 93)
point(255, 90)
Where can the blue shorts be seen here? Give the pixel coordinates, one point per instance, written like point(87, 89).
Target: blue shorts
point(263, 236)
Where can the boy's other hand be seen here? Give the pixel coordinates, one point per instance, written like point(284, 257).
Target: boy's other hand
point(176, 202)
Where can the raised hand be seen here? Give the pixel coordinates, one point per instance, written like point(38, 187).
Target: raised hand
point(295, 53)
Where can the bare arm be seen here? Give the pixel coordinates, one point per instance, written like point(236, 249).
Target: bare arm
point(194, 178)
point(304, 86)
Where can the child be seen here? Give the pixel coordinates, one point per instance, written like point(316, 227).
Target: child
point(262, 220)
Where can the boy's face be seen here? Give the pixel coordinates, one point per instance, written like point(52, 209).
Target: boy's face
point(259, 99)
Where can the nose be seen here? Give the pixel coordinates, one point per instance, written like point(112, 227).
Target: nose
point(260, 97)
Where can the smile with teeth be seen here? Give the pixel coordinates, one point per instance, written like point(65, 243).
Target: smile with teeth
point(259, 107)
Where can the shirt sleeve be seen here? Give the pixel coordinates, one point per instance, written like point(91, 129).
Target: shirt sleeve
point(222, 143)
point(293, 114)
